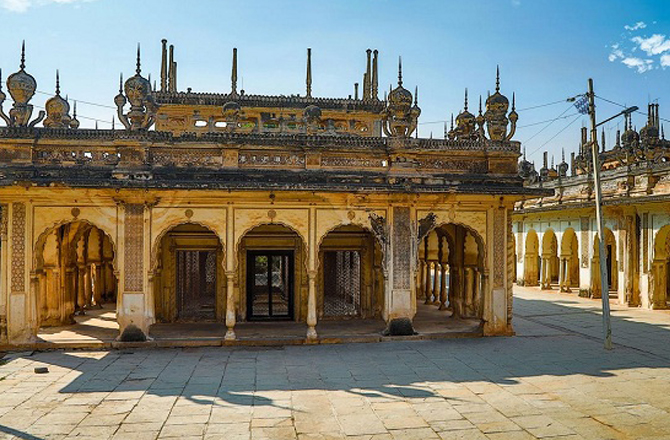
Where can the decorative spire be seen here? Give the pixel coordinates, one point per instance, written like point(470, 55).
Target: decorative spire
point(513, 101)
point(233, 74)
point(603, 139)
point(445, 129)
point(375, 75)
point(57, 84)
point(23, 55)
point(524, 152)
point(138, 70)
point(662, 132)
point(452, 121)
point(497, 78)
point(399, 71)
point(356, 91)
point(164, 65)
point(480, 105)
point(562, 154)
point(367, 78)
point(309, 73)
point(171, 74)
point(416, 95)
point(465, 105)
point(74, 111)
point(121, 83)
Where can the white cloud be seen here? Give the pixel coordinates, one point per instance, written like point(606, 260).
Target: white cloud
point(636, 26)
point(23, 5)
point(640, 64)
point(616, 53)
point(654, 45)
point(665, 60)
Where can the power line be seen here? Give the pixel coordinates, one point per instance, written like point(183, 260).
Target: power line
point(551, 121)
point(548, 120)
point(82, 102)
point(81, 116)
point(554, 136)
point(541, 105)
point(623, 106)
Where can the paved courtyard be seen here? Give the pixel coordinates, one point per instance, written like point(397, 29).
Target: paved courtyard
point(553, 380)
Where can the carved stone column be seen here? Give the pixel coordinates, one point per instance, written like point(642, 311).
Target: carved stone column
point(81, 289)
point(443, 287)
point(428, 284)
point(659, 298)
point(230, 306)
point(97, 285)
point(311, 305)
point(88, 286)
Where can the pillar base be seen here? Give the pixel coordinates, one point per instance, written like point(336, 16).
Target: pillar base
point(230, 335)
point(311, 333)
point(132, 333)
point(399, 327)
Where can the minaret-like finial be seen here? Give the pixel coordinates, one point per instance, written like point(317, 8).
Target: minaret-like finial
point(562, 154)
point(662, 131)
point(603, 139)
point(138, 70)
point(309, 73)
point(452, 121)
point(367, 78)
point(416, 95)
point(480, 105)
point(121, 83)
point(23, 55)
point(356, 91)
point(497, 78)
point(445, 129)
point(164, 72)
point(96, 124)
point(399, 71)
point(74, 110)
point(113, 123)
point(465, 105)
point(524, 152)
point(233, 73)
point(57, 83)
point(375, 75)
point(513, 101)
point(172, 87)
point(552, 161)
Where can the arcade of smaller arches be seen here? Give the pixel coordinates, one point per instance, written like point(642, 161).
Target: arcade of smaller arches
point(75, 274)
point(569, 261)
point(549, 264)
point(531, 275)
point(450, 275)
point(612, 265)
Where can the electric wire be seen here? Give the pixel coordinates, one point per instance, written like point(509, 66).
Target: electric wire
point(623, 106)
point(554, 136)
point(82, 102)
point(548, 125)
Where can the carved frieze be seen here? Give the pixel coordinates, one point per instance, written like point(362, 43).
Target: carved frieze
point(352, 162)
point(75, 156)
point(402, 253)
point(271, 159)
point(186, 157)
point(134, 247)
point(18, 247)
point(462, 165)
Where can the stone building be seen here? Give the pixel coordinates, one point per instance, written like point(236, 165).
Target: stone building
point(230, 207)
point(556, 236)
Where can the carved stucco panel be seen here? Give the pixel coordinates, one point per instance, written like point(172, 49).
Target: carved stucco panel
point(47, 217)
point(476, 220)
point(584, 226)
point(246, 219)
point(499, 254)
point(18, 275)
point(134, 248)
point(402, 247)
point(4, 217)
point(329, 219)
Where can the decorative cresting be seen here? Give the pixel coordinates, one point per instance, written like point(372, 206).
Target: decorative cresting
point(400, 117)
point(58, 111)
point(312, 118)
point(496, 116)
point(143, 107)
point(21, 86)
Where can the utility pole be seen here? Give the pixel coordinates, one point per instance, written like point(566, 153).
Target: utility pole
point(607, 326)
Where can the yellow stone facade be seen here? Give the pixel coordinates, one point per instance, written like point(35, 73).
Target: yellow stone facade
point(242, 224)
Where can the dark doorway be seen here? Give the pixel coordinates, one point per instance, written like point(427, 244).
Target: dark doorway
point(269, 285)
point(196, 285)
point(609, 266)
point(342, 283)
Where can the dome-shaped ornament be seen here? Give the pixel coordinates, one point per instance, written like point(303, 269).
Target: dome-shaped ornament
point(496, 113)
point(58, 109)
point(400, 117)
point(143, 107)
point(21, 86)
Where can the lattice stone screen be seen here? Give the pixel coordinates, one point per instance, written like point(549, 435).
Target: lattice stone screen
point(342, 283)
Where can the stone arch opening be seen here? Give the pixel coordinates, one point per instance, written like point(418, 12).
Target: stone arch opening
point(550, 262)
point(612, 264)
point(660, 270)
point(350, 280)
point(272, 274)
point(451, 267)
point(189, 282)
point(569, 263)
point(74, 268)
point(531, 262)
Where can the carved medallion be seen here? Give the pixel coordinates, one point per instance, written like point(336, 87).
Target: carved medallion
point(75, 212)
point(272, 214)
point(351, 215)
point(188, 213)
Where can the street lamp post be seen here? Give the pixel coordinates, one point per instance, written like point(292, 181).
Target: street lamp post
point(607, 326)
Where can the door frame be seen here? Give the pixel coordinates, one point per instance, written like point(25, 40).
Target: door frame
point(251, 254)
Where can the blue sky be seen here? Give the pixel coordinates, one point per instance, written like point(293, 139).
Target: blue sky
point(546, 51)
